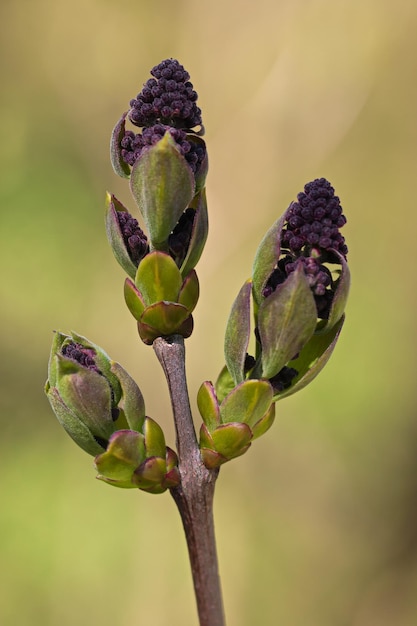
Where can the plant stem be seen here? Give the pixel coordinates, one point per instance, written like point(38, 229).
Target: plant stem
point(194, 496)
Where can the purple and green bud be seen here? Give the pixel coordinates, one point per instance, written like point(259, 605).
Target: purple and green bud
point(130, 244)
point(96, 400)
point(298, 293)
point(127, 147)
point(167, 167)
point(133, 145)
point(127, 240)
point(91, 395)
point(307, 236)
point(166, 105)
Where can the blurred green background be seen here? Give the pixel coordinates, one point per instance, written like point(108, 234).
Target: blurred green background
point(317, 524)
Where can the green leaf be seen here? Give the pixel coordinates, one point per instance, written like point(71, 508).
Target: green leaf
point(150, 475)
point(115, 237)
point(125, 452)
point(286, 321)
point(158, 278)
point(133, 299)
point(72, 424)
point(264, 423)
point(120, 167)
point(162, 184)
point(189, 292)
point(206, 440)
point(232, 440)
point(131, 402)
point(238, 333)
point(87, 394)
point(340, 297)
point(224, 384)
point(266, 258)
point(154, 438)
point(57, 343)
point(198, 234)
point(201, 174)
point(247, 403)
point(165, 317)
point(171, 459)
point(208, 405)
point(211, 458)
point(312, 358)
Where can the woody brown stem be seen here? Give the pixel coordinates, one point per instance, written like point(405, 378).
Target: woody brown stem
point(194, 496)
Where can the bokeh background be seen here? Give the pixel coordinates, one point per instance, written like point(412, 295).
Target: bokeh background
point(317, 524)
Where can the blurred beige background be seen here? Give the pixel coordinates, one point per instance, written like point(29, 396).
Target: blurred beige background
point(317, 524)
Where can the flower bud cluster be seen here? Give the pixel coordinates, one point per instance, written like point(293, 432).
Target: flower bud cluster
point(169, 97)
point(134, 238)
point(133, 145)
point(297, 296)
point(102, 409)
point(310, 238)
point(315, 220)
point(167, 165)
point(166, 104)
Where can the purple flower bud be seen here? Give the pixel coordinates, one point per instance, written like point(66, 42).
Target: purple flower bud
point(310, 236)
point(82, 355)
point(133, 236)
point(132, 146)
point(179, 239)
point(91, 395)
point(168, 98)
point(315, 219)
point(283, 379)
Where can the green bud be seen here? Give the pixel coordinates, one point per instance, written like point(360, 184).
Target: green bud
point(154, 476)
point(125, 452)
point(230, 426)
point(129, 461)
point(208, 405)
point(160, 299)
point(225, 443)
point(91, 395)
point(164, 319)
point(159, 470)
point(158, 278)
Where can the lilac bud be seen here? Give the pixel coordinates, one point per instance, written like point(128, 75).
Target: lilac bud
point(132, 145)
point(315, 220)
point(91, 395)
point(310, 236)
point(168, 98)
